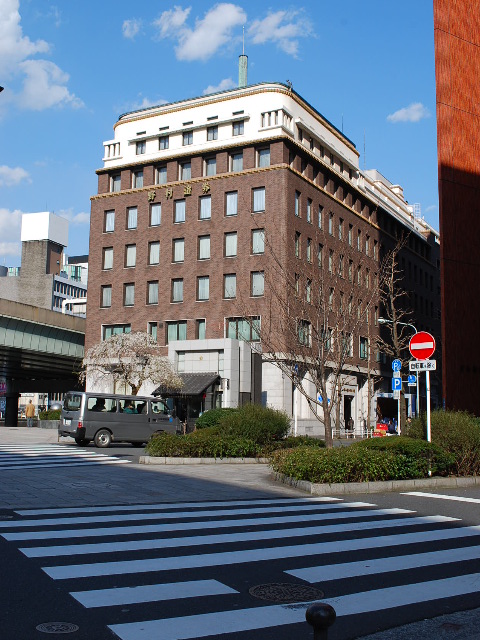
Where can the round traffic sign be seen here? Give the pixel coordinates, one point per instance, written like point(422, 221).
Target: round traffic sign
point(422, 345)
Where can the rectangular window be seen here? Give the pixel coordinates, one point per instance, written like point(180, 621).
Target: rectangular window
point(305, 333)
point(152, 292)
point(152, 329)
point(330, 298)
point(231, 244)
point(129, 295)
point(176, 331)
point(350, 270)
point(109, 221)
point(359, 275)
point(363, 348)
point(258, 240)
point(161, 175)
point(153, 252)
point(163, 143)
point(204, 247)
point(177, 290)
point(236, 162)
point(230, 285)
point(137, 179)
point(155, 215)
point(320, 216)
point(367, 245)
point(263, 158)
point(247, 329)
point(297, 244)
point(375, 251)
point(330, 224)
point(210, 166)
point(130, 255)
point(340, 229)
point(309, 249)
point(308, 291)
point(132, 218)
point(231, 203)
point(106, 300)
point(185, 172)
point(115, 183)
point(350, 234)
point(187, 138)
point(297, 203)
point(205, 208)
point(203, 287)
point(320, 255)
point(330, 261)
point(258, 283)
point(179, 211)
point(107, 258)
point(258, 199)
point(109, 330)
point(212, 133)
point(238, 128)
point(359, 240)
point(200, 329)
point(309, 211)
point(140, 147)
point(178, 253)
point(340, 266)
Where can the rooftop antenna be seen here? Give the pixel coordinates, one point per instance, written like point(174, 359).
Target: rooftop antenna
point(364, 157)
point(242, 65)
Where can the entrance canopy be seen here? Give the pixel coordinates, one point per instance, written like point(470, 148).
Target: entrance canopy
point(194, 384)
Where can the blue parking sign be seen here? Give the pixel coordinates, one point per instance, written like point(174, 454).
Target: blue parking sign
point(396, 365)
point(396, 384)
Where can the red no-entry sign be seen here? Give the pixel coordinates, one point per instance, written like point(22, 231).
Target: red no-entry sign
point(422, 345)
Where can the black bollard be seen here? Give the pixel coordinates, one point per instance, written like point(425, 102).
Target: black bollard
point(320, 616)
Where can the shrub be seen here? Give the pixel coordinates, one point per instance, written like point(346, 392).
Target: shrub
point(51, 414)
point(458, 433)
point(212, 417)
point(292, 442)
point(343, 464)
point(421, 456)
point(257, 423)
point(205, 443)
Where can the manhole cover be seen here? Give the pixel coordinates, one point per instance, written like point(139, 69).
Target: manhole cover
point(57, 627)
point(284, 592)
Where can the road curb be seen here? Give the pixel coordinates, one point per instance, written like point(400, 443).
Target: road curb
point(171, 460)
point(377, 487)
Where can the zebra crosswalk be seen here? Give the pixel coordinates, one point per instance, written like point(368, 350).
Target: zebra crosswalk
point(137, 566)
point(14, 457)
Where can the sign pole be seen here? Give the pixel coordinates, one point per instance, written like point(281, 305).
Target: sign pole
point(398, 423)
point(417, 406)
point(429, 433)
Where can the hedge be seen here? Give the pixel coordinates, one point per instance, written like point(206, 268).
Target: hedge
point(257, 423)
point(202, 444)
point(51, 414)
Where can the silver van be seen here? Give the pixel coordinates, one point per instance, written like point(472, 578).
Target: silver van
point(106, 417)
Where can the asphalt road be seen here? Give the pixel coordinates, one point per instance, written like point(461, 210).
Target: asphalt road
point(189, 551)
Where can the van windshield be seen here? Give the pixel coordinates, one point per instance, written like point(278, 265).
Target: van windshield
point(72, 401)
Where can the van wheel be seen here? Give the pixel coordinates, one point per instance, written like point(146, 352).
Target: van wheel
point(103, 438)
point(82, 442)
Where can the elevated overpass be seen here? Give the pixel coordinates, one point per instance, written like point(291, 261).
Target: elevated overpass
point(40, 351)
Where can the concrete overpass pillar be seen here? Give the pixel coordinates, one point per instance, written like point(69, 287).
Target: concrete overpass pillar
point(11, 409)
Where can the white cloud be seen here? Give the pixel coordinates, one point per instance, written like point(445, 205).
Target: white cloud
point(210, 33)
point(77, 219)
point(432, 207)
point(10, 249)
point(10, 225)
point(44, 83)
point(141, 103)
point(11, 176)
point(44, 86)
point(130, 28)
point(413, 113)
point(284, 28)
point(224, 85)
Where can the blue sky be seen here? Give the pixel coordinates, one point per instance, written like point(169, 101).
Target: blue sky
point(70, 69)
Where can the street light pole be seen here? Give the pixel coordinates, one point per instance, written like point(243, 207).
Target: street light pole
point(406, 324)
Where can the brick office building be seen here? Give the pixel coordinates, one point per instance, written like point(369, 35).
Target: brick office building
point(188, 198)
point(457, 67)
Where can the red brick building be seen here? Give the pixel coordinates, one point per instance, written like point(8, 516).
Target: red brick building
point(190, 194)
point(457, 62)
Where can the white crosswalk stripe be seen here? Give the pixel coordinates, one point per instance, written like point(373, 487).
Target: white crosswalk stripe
point(209, 555)
point(21, 457)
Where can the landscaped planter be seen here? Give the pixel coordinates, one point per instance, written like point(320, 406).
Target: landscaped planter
point(48, 424)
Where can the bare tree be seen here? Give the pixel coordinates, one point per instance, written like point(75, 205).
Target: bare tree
point(308, 327)
point(398, 325)
point(130, 358)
